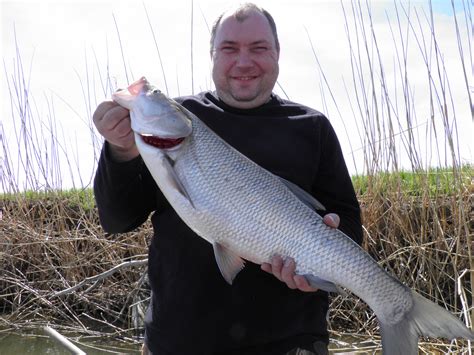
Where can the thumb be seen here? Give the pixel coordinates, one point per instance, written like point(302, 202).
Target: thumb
point(332, 220)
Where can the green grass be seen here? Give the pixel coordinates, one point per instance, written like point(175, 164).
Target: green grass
point(433, 182)
point(80, 198)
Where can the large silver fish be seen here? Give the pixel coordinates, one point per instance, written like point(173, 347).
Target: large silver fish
point(247, 213)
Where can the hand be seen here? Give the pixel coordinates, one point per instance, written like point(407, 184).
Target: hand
point(113, 123)
point(284, 270)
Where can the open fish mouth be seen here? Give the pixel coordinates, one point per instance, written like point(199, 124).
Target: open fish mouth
point(160, 142)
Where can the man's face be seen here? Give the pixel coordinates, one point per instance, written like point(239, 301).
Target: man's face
point(245, 61)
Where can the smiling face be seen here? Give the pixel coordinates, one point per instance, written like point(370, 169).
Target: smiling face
point(245, 60)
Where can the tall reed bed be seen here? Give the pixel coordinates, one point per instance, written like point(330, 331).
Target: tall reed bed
point(58, 265)
point(419, 227)
point(418, 221)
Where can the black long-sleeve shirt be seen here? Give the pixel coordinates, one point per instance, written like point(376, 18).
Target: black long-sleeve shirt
point(194, 310)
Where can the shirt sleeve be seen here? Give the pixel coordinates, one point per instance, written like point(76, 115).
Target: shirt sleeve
point(125, 193)
point(333, 185)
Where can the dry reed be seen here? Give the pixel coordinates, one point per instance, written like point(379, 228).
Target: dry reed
point(424, 240)
point(51, 243)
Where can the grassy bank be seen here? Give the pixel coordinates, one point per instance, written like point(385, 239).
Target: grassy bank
point(58, 264)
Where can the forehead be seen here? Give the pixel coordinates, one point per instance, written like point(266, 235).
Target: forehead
point(253, 27)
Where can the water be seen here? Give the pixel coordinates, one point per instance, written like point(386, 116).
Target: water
point(38, 343)
point(19, 344)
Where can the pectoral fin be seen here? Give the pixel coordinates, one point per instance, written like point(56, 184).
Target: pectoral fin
point(324, 285)
point(305, 197)
point(174, 178)
point(229, 263)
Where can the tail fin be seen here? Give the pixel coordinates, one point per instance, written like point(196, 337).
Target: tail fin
point(425, 318)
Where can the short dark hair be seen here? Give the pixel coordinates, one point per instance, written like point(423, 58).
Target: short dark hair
point(241, 13)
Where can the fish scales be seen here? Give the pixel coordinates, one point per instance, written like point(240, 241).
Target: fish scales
point(246, 212)
point(255, 215)
point(253, 223)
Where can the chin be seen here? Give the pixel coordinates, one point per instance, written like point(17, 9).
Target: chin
point(245, 95)
point(248, 104)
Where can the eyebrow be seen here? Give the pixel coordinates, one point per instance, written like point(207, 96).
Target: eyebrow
point(229, 42)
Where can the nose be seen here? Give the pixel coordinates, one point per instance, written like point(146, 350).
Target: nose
point(244, 59)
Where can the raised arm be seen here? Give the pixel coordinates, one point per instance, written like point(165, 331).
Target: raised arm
point(124, 190)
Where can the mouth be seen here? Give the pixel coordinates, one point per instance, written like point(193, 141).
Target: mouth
point(161, 143)
point(245, 78)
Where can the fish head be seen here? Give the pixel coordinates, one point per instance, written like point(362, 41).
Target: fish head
point(158, 120)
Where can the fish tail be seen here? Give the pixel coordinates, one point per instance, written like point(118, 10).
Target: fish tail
point(425, 318)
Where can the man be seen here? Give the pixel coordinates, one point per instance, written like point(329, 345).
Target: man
point(193, 310)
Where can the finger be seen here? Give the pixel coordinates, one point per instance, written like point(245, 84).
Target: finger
point(123, 128)
point(127, 141)
point(288, 272)
point(266, 267)
point(277, 264)
point(302, 284)
point(332, 220)
point(102, 109)
point(115, 125)
point(114, 116)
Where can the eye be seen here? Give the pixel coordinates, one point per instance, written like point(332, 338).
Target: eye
point(228, 49)
point(259, 49)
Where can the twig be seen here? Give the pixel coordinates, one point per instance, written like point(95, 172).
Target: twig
point(63, 341)
point(462, 295)
point(101, 276)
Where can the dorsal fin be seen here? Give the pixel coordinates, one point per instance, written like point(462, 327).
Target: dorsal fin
point(305, 197)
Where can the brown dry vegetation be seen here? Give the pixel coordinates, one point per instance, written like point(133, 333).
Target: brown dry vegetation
point(53, 243)
point(49, 244)
point(426, 242)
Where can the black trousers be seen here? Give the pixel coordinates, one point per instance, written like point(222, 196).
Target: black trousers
point(319, 349)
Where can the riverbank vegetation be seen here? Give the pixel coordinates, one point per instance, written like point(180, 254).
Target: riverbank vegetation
point(59, 266)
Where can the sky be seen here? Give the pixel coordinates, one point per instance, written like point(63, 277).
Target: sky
point(64, 51)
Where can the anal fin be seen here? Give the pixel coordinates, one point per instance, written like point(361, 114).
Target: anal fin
point(229, 263)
